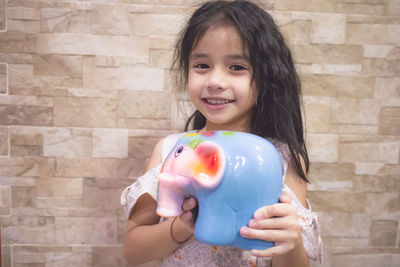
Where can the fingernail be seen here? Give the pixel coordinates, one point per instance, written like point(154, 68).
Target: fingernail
point(258, 215)
point(253, 223)
point(244, 230)
point(187, 216)
point(254, 252)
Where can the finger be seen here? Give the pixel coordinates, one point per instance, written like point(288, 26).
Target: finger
point(189, 204)
point(266, 235)
point(275, 210)
point(272, 223)
point(270, 252)
point(285, 198)
point(186, 216)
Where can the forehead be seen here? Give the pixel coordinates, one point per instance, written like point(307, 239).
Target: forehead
point(220, 39)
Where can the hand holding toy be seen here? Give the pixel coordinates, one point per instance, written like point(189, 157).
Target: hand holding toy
point(231, 174)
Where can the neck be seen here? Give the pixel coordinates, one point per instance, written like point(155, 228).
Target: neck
point(224, 127)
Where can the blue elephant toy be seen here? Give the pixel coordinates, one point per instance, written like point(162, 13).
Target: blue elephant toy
point(231, 174)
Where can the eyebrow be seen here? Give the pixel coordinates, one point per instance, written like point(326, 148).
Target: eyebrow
point(233, 56)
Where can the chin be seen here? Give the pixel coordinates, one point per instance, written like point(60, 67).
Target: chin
point(219, 125)
point(217, 120)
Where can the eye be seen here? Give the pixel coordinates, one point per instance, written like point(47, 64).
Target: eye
point(237, 67)
point(178, 151)
point(201, 66)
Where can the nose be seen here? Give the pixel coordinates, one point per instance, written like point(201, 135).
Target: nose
point(217, 79)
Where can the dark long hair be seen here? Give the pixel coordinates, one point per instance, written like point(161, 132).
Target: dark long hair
point(276, 113)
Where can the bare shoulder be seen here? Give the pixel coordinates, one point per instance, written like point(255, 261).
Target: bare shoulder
point(156, 155)
point(143, 212)
point(297, 184)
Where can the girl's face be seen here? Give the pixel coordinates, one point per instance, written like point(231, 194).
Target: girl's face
point(219, 82)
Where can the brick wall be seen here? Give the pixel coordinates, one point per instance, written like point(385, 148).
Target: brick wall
point(86, 91)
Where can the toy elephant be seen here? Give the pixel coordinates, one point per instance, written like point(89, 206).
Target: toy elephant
point(231, 174)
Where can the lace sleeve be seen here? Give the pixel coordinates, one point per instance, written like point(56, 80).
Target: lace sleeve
point(312, 242)
point(309, 224)
point(144, 184)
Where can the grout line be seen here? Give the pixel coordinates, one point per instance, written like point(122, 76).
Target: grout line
point(9, 141)
point(5, 16)
point(7, 80)
point(397, 245)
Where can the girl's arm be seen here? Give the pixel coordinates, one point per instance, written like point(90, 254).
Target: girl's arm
point(146, 239)
point(279, 223)
point(297, 256)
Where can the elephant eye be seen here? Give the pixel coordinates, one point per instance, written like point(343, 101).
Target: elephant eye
point(178, 151)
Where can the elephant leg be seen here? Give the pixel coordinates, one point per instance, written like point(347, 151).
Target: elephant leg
point(215, 222)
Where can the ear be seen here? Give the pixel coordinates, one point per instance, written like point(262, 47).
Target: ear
point(210, 167)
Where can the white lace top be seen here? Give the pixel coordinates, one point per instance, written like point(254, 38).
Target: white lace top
point(194, 253)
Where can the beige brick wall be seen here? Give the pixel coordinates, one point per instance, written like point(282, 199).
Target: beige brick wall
point(85, 92)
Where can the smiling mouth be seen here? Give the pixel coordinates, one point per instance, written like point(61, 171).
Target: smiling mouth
point(214, 101)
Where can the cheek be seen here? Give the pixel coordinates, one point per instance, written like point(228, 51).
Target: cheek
point(191, 93)
point(246, 91)
point(194, 87)
point(252, 91)
point(191, 79)
point(253, 95)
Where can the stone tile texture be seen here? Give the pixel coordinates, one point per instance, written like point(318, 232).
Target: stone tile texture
point(86, 91)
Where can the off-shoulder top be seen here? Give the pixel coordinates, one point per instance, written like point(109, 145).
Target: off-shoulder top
point(195, 253)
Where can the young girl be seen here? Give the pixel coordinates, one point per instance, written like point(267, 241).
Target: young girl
point(240, 76)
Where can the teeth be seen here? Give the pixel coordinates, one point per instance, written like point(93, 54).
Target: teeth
point(217, 101)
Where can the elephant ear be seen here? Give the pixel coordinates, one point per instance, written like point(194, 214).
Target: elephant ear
point(210, 166)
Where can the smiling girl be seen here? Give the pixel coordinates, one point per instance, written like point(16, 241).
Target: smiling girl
point(240, 76)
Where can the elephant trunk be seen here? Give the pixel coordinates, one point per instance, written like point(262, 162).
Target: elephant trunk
point(171, 194)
